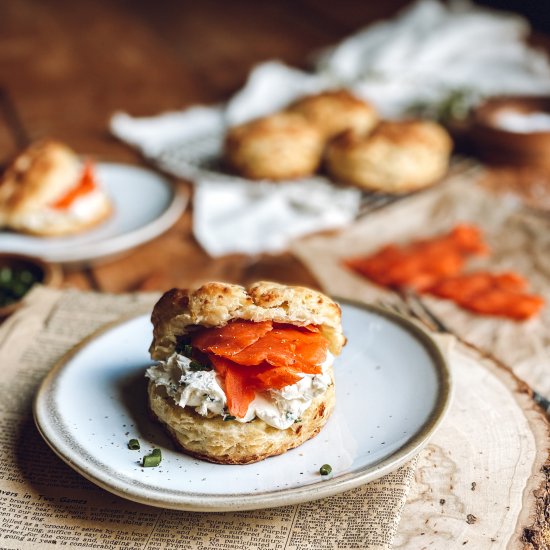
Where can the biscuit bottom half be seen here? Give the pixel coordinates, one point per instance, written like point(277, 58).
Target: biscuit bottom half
point(232, 442)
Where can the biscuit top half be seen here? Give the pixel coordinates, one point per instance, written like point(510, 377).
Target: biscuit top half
point(179, 311)
point(38, 176)
point(409, 134)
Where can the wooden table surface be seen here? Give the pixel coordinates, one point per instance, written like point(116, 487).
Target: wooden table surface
point(66, 66)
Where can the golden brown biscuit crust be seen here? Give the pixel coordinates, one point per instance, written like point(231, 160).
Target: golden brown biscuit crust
point(336, 111)
point(70, 227)
point(277, 147)
point(38, 176)
point(234, 442)
point(215, 304)
point(34, 181)
point(397, 157)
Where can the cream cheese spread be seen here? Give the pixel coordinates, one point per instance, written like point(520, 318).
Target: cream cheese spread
point(198, 389)
point(523, 123)
point(81, 210)
point(203, 391)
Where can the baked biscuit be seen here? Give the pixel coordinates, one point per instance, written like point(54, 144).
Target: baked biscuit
point(397, 157)
point(277, 147)
point(194, 405)
point(41, 193)
point(215, 304)
point(334, 112)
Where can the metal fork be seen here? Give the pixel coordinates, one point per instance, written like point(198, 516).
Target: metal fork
point(409, 304)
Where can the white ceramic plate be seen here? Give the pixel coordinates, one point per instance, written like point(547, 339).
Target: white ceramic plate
point(145, 205)
point(392, 387)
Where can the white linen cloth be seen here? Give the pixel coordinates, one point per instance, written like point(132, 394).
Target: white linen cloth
point(424, 54)
point(232, 214)
point(431, 50)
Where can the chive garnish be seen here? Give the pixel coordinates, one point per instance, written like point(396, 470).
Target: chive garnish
point(229, 417)
point(133, 444)
point(196, 366)
point(325, 469)
point(181, 343)
point(15, 283)
point(153, 459)
point(187, 350)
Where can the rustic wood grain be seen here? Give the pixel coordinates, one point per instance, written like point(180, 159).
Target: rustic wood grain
point(482, 483)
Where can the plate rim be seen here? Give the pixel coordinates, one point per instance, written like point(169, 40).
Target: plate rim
point(203, 502)
point(118, 244)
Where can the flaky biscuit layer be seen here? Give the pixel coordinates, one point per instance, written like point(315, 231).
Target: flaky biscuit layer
point(277, 147)
point(397, 157)
point(232, 442)
point(215, 304)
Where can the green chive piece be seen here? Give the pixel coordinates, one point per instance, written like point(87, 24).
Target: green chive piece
point(181, 343)
point(15, 283)
point(325, 469)
point(156, 452)
point(133, 444)
point(196, 366)
point(152, 460)
point(187, 350)
point(229, 417)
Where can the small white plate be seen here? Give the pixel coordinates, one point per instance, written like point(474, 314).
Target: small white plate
point(145, 205)
point(392, 386)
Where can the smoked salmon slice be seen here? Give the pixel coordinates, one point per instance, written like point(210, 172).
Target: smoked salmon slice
point(283, 346)
point(83, 187)
point(242, 382)
point(239, 390)
point(491, 294)
point(420, 264)
point(252, 357)
point(232, 338)
point(434, 266)
point(286, 347)
point(276, 378)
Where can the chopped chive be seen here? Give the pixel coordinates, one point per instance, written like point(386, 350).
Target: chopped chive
point(153, 459)
point(325, 469)
point(187, 350)
point(229, 417)
point(196, 366)
point(181, 343)
point(133, 444)
point(15, 283)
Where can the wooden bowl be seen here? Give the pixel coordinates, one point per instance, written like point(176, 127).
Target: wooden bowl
point(44, 274)
point(500, 146)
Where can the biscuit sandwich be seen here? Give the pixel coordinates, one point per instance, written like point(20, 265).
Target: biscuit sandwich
point(243, 373)
point(48, 191)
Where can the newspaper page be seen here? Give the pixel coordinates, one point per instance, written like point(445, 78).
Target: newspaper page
point(45, 504)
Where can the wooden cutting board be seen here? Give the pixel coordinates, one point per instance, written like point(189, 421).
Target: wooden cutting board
point(483, 481)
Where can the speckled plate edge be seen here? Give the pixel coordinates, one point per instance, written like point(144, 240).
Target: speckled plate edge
point(143, 493)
